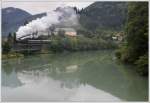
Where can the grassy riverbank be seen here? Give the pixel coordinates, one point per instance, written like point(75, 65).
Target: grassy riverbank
point(12, 55)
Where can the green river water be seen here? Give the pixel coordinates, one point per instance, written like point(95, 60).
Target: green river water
point(79, 76)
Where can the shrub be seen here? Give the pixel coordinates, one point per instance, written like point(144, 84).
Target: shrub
point(118, 53)
point(6, 48)
point(79, 43)
point(142, 64)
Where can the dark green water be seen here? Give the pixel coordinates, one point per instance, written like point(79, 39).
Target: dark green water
point(80, 76)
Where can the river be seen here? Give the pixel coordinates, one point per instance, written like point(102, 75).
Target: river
point(78, 76)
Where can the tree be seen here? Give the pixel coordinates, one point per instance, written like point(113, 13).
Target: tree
point(75, 9)
point(135, 48)
point(14, 37)
point(61, 33)
point(137, 30)
point(26, 22)
point(52, 29)
point(6, 48)
point(10, 39)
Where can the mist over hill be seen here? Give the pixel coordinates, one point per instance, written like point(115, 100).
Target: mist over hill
point(99, 15)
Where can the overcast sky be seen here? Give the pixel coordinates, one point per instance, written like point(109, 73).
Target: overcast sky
point(39, 7)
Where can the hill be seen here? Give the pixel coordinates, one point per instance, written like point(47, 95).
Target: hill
point(13, 18)
point(104, 15)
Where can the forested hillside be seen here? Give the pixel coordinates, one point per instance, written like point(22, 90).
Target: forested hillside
point(104, 15)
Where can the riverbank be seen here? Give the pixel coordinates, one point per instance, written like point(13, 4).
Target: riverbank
point(12, 55)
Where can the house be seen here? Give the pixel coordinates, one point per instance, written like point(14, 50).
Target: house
point(67, 31)
point(119, 36)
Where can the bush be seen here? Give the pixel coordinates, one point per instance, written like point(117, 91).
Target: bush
point(56, 44)
point(79, 43)
point(6, 48)
point(124, 55)
point(142, 64)
point(118, 53)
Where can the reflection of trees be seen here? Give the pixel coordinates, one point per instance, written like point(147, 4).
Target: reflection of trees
point(11, 79)
point(108, 78)
point(7, 69)
point(135, 83)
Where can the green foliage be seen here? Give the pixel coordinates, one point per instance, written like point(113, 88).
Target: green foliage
point(61, 33)
point(104, 15)
point(136, 48)
point(14, 37)
point(79, 43)
point(12, 55)
point(123, 54)
point(142, 64)
point(6, 47)
point(10, 39)
point(98, 33)
point(137, 29)
point(56, 45)
point(104, 34)
point(7, 44)
point(85, 32)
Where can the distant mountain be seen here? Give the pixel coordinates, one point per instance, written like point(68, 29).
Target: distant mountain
point(13, 18)
point(104, 15)
point(33, 17)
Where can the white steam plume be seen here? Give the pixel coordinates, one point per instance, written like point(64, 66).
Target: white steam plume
point(64, 16)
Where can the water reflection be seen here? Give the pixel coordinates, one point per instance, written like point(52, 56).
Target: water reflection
point(37, 87)
point(11, 80)
point(86, 76)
